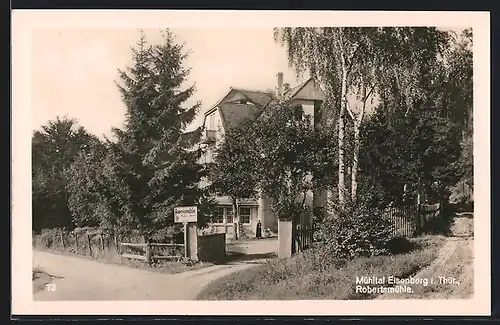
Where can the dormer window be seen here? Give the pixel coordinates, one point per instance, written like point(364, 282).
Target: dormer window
point(243, 101)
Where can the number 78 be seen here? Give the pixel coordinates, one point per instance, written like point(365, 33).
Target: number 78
point(50, 287)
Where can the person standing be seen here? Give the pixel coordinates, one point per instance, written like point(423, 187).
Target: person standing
point(258, 231)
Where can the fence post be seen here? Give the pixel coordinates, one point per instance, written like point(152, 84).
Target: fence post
point(76, 242)
point(192, 241)
point(90, 244)
point(148, 253)
point(62, 239)
point(102, 241)
point(185, 240)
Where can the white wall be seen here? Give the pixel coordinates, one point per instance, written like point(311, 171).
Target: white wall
point(213, 122)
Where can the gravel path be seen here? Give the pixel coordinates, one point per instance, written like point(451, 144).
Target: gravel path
point(455, 260)
point(75, 278)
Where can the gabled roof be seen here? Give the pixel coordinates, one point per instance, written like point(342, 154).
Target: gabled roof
point(309, 90)
point(260, 98)
point(234, 114)
point(293, 91)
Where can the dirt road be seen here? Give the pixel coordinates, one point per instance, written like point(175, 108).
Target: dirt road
point(76, 278)
point(451, 275)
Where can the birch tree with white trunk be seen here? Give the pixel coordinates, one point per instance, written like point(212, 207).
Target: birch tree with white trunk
point(334, 56)
point(356, 66)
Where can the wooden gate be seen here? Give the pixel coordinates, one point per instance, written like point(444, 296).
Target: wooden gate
point(302, 232)
point(411, 220)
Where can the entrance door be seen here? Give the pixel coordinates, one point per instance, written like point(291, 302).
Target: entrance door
point(229, 222)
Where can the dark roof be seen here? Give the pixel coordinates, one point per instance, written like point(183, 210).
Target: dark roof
point(260, 98)
point(293, 91)
point(234, 114)
point(289, 93)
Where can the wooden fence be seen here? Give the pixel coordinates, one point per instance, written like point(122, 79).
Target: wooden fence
point(82, 243)
point(411, 220)
point(403, 220)
point(407, 221)
point(149, 251)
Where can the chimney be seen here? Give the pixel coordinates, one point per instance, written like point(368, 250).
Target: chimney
point(280, 85)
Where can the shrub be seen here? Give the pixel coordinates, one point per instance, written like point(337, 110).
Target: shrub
point(357, 229)
point(171, 234)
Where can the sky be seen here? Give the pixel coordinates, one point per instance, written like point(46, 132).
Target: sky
point(74, 70)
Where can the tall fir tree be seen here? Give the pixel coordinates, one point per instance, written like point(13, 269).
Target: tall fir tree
point(154, 163)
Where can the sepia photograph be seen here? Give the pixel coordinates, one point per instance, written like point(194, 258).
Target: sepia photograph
point(254, 163)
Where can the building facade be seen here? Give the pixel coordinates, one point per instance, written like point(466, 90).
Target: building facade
point(235, 107)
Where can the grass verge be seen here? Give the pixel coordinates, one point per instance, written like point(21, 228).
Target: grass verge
point(307, 276)
point(113, 257)
point(455, 262)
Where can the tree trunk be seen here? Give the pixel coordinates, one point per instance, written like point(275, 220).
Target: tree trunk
point(355, 160)
point(341, 183)
point(357, 142)
point(101, 239)
point(304, 197)
point(419, 204)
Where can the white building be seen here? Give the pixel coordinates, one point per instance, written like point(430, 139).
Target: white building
point(236, 106)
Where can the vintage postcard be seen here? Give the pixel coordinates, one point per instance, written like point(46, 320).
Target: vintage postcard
point(202, 162)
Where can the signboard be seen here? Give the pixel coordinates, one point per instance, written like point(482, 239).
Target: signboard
point(186, 214)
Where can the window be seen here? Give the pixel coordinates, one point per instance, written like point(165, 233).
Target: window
point(317, 112)
point(244, 215)
point(219, 215)
point(229, 215)
point(299, 112)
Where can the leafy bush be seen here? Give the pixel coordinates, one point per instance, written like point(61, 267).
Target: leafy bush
point(172, 234)
point(98, 243)
point(47, 238)
point(357, 229)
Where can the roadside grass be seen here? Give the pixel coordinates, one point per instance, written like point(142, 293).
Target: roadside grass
point(309, 276)
point(90, 247)
point(110, 255)
point(169, 267)
point(459, 266)
point(456, 261)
